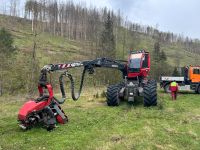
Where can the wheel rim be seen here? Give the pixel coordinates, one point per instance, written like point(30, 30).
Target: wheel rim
point(167, 90)
point(198, 91)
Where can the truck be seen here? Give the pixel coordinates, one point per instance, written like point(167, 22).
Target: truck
point(188, 79)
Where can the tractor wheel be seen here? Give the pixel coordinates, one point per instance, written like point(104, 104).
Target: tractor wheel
point(150, 94)
point(113, 94)
point(153, 82)
point(166, 88)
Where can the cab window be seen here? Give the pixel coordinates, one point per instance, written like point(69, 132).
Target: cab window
point(196, 71)
point(145, 61)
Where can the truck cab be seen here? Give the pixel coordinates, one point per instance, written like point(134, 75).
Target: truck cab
point(194, 74)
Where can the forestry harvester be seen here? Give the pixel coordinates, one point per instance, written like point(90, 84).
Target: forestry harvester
point(46, 108)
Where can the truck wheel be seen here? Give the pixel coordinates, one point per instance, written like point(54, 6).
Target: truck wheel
point(198, 90)
point(150, 94)
point(166, 88)
point(113, 95)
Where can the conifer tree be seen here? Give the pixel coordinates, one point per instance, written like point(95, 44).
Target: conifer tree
point(107, 40)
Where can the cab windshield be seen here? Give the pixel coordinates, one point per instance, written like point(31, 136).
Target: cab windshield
point(135, 63)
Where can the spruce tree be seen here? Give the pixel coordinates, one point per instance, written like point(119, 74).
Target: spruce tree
point(163, 56)
point(107, 40)
point(108, 49)
point(6, 59)
point(6, 42)
point(156, 53)
point(175, 72)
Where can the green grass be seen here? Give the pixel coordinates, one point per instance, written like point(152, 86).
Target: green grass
point(93, 125)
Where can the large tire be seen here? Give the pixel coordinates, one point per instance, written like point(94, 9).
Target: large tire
point(113, 94)
point(153, 82)
point(150, 94)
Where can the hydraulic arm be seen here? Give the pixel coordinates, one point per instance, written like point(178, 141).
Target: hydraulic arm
point(88, 66)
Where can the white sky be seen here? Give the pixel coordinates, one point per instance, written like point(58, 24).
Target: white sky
point(178, 16)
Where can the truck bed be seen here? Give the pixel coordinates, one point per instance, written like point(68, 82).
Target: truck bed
point(170, 78)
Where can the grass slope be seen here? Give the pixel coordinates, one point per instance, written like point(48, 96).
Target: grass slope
point(93, 125)
point(54, 49)
point(49, 48)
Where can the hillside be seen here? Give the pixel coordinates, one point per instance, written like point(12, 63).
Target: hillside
point(48, 47)
point(58, 48)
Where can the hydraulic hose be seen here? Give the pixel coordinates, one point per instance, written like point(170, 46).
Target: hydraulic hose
point(62, 100)
point(75, 96)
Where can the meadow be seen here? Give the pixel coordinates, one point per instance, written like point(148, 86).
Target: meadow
point(94, 125)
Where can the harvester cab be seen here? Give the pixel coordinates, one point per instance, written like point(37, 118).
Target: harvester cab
point(138, 64)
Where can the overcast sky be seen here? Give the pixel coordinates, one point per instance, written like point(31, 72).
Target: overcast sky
point(178, 16)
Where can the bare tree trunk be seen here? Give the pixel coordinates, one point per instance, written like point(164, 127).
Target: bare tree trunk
point(61, 28)
point(124, 43)
point(34, 46)
point(69, 29)
point(61, 22)
point(32, 22)
point(31, 89)
point(1, 87)
point(1, 75)
point(54, 27)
